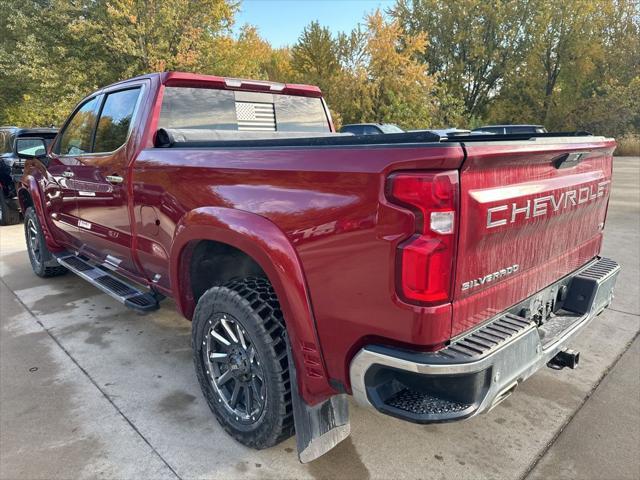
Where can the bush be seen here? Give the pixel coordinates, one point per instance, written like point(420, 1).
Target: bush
point(628, 145)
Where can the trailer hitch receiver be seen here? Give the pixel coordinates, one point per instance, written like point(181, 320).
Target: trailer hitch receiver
point(565, 358)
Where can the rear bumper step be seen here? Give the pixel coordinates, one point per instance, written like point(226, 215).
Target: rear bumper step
point(126, 293)
point(482, 367)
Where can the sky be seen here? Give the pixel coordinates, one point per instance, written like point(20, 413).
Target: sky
point(281, 21)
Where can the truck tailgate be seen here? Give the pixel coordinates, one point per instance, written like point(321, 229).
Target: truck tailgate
point(530, 213)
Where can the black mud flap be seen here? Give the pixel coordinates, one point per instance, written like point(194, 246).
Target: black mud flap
point(320, 427)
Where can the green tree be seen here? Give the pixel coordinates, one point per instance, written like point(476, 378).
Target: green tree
point(399, 86)
point(314, 57)
point(582, 73)
point(278, 66)
point(156, 35)
point(44, 67)
point(55, 52)
point(472, 44)
point(245, 56)
point(369, 75)
point(570, 64)
point(564, 42)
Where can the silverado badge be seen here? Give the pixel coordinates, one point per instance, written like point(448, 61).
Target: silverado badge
point(476, 282)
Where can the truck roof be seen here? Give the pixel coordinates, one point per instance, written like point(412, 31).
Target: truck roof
point(19, 131)
point(186, 79)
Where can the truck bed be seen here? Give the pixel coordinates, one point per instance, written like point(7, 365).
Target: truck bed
point(326, 193)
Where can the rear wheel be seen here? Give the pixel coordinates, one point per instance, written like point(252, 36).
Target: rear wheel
point(240, 355)
point(8, 215)
point(42, 261)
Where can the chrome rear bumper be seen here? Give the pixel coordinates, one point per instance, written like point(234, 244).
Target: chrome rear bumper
point(482, 367)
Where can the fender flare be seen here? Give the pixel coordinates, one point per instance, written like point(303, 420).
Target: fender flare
point(29, 184)
point(265, 243)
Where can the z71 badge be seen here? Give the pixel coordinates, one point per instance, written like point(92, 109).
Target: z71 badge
point(477, 282)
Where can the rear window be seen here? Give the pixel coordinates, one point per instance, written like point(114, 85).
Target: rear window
point(204, 108)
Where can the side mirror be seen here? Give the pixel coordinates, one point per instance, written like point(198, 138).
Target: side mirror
point(29, 148)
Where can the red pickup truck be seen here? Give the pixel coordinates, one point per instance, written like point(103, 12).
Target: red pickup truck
point(425, 276)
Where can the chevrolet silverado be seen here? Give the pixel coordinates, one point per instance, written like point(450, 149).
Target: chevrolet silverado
point(426, 276)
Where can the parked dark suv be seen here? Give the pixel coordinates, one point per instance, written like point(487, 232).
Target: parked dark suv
point(506, 129)
point(371, 128)
point(14, 140)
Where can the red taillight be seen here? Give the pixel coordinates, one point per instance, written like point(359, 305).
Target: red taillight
point(426, 260)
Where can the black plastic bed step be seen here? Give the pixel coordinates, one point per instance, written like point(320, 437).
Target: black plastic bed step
point(420, 403)
point(126, 293)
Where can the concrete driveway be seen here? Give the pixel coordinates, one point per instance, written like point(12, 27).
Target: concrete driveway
point(89, 389)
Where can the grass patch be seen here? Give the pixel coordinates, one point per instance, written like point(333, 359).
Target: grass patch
point(629, 145)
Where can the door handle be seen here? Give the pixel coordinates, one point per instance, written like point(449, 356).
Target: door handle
point(114, 179)
point(67, 174)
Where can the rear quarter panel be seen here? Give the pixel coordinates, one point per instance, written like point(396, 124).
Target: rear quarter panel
point(329, 202)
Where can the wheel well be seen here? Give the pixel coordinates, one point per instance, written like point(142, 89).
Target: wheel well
point(214, 263)
point(25, 199)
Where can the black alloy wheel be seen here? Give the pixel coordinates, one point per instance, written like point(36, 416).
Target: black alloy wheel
point(233, 368)
point(240, 355)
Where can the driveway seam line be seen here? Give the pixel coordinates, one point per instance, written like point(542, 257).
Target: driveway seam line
point(555, 437)
point(622, 311)
point(95, 384)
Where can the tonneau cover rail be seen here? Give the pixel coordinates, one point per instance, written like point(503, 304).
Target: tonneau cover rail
point(167, 137)
point(181, 138)
point(515, 136)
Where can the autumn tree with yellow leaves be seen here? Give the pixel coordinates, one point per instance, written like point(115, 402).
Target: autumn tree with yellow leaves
point(568, 64)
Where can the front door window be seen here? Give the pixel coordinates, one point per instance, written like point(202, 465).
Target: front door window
point(76, 139)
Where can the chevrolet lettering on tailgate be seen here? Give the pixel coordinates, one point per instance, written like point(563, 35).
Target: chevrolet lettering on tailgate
point(546, 205)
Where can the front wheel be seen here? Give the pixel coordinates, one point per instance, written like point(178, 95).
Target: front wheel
point(240, 355)
point(42, 261)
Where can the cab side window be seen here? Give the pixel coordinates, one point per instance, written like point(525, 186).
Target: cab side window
point(355, 129)
point(371, 130)
point(521, 130)
point(76, 138)
point(115, 120)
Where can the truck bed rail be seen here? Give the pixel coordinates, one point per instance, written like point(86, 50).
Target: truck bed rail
point(184, 138)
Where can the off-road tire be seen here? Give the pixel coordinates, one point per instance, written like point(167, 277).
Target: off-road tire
point(253, 304)
point(8, 215)
point(44, 265)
